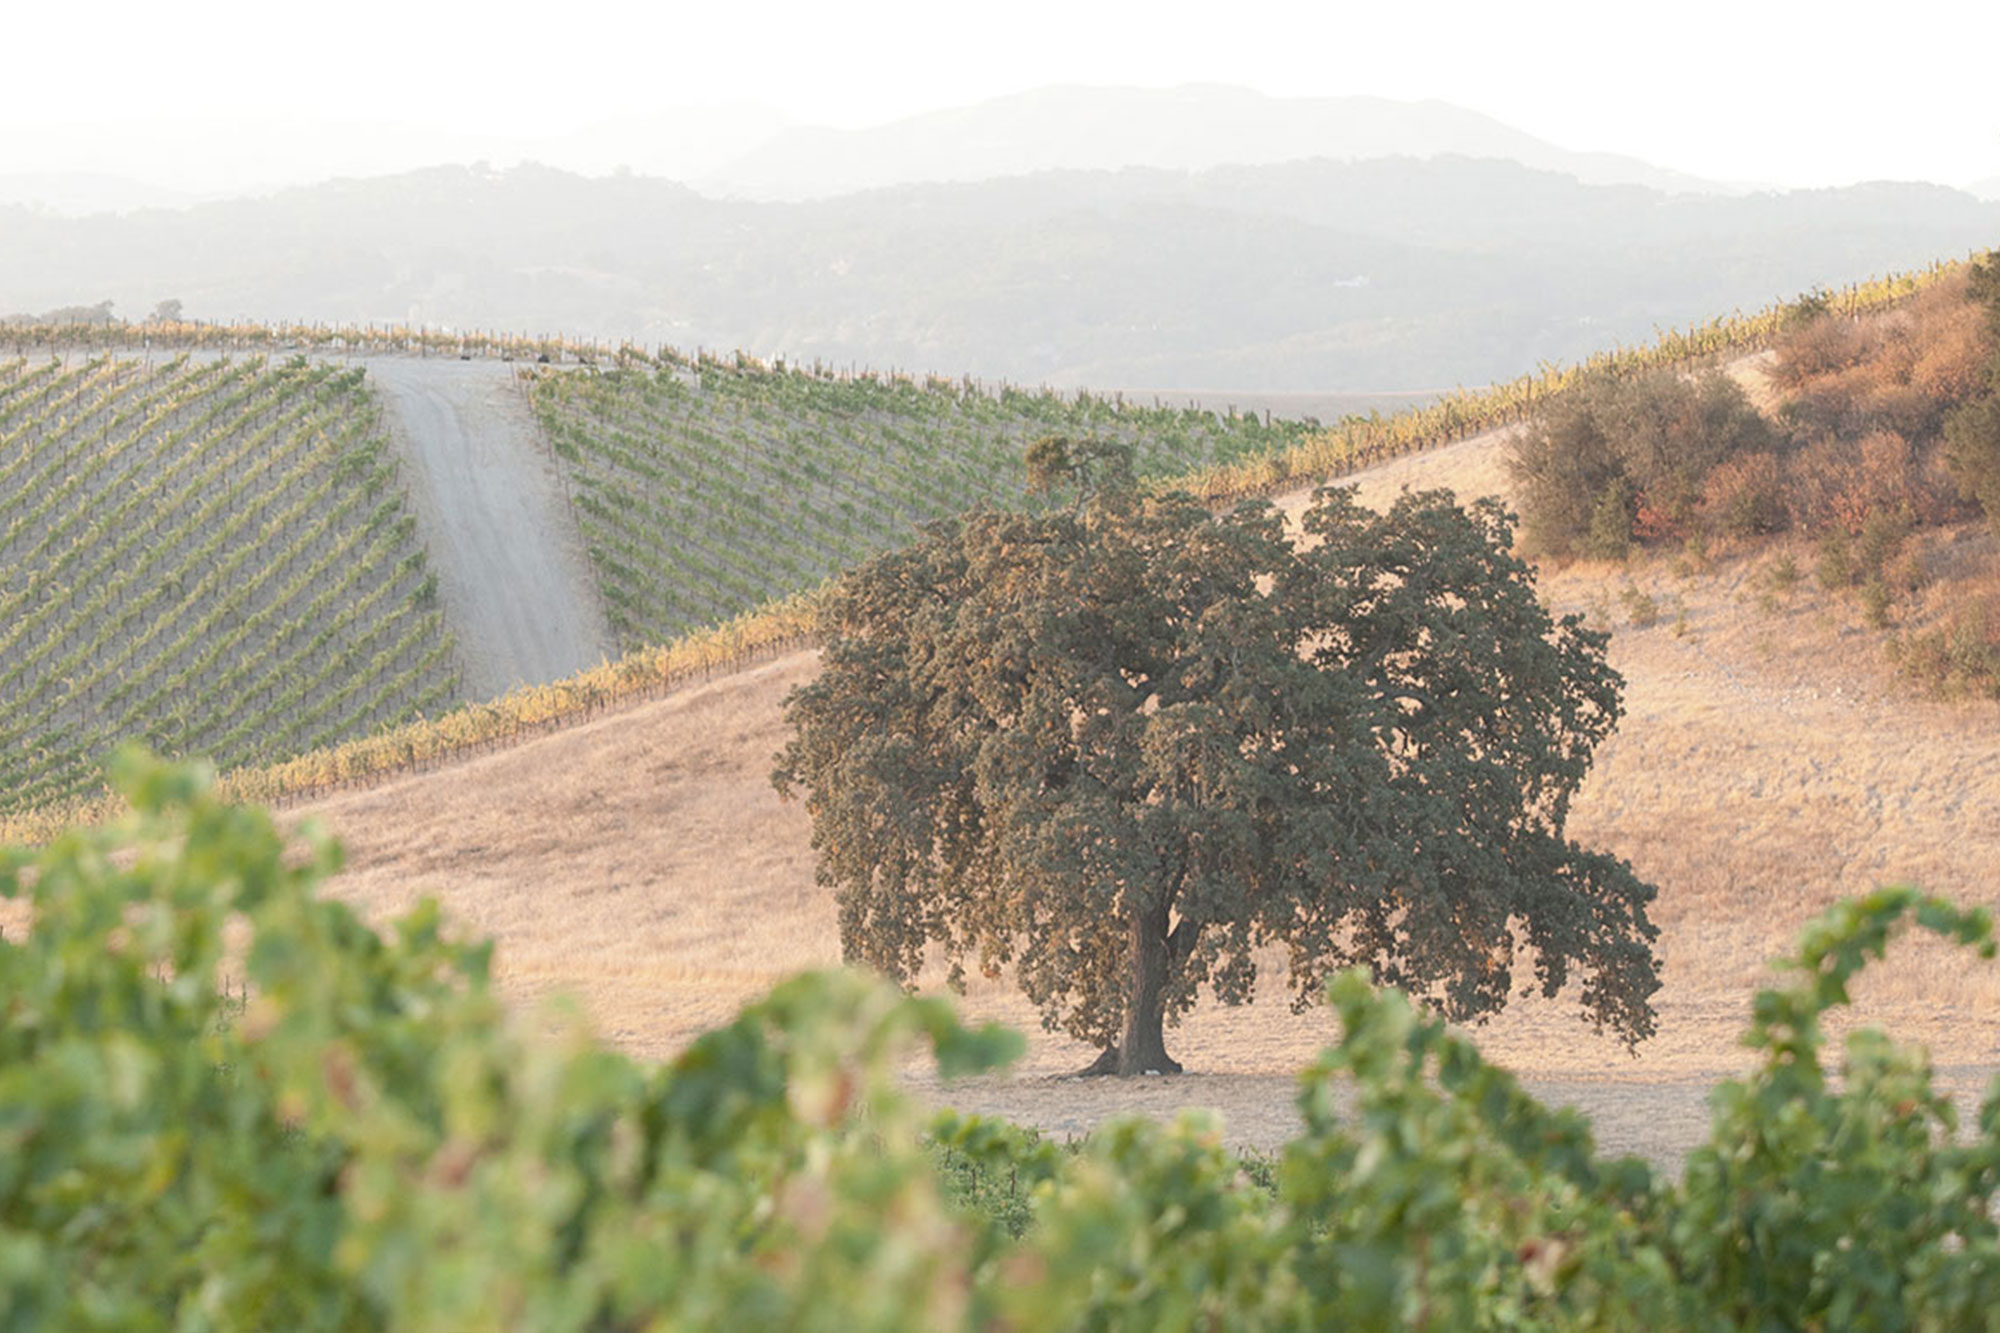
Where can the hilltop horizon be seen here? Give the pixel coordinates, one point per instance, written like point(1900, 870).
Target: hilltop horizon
point(752, 151)
point(1386, 275)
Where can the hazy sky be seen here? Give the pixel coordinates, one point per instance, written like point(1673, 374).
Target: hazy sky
point(1795, 94)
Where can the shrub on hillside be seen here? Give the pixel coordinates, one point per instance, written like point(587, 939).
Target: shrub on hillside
point(1972, 452)
point(1626, 456)
point(1824, 344)
point(1835, 567)
point(1972, 431)
point(1875, 420)
point(1842, 483)
point(1562, 467)
point(1961, 657)
point(1745, 496)
point(1900, 370)
point(1871, 401)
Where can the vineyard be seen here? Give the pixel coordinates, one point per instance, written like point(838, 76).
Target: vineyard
point(705, 486)
point(702, 492)
point(714, 492)
point(209, 554)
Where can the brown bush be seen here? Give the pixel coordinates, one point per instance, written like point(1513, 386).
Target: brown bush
point(1901, 370)
point(1823, 347)
point(1654, 522)
point(1906, 410)
point(1745, 496)
point(1950, 366)
point(1817, 478)
point(1935, 497)
point(1827, 405)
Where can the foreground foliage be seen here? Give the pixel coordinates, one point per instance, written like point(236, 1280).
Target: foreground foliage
point(366, 1142)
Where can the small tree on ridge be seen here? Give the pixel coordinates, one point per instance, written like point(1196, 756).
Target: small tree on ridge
point(1122, 746)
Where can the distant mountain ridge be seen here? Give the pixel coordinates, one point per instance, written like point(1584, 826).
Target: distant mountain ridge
point(1313, 277)
point(1189, 128)
point(81, 193)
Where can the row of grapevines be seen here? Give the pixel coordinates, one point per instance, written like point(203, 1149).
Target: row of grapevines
point(211, 554)
point(701, 493)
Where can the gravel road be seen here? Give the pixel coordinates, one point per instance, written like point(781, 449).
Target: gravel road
point(490, 505)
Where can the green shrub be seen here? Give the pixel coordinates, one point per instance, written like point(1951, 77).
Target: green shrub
point(1955, 659)
point(1783, 575)
point(1883, 533)
point(1972, 430)
point(1642, 608)
point(1562, 465)
point(1875, 602)
point(1624, 450)
point(1610, 533)
point(1836, 567)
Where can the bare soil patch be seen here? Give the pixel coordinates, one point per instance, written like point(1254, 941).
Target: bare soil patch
point(511, 569)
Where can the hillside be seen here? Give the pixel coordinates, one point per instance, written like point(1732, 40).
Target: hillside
point(225, 556)
point(1765, 767)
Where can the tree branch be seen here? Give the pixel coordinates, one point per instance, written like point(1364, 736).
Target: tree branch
point(1424, 699)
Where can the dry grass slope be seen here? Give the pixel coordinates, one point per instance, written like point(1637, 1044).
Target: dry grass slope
point(1768, 765)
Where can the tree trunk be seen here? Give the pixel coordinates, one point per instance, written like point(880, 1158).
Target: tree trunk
point(1143, 1048)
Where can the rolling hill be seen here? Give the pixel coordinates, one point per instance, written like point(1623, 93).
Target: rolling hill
point(1319, 275)
point(1189, 128)
point(225, 555)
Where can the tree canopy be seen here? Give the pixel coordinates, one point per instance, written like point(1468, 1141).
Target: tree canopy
point(1122, 747)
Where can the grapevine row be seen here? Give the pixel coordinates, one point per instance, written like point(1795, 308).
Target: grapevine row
point(209, 554)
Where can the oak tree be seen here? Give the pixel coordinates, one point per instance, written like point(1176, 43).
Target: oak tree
point(1123, 747)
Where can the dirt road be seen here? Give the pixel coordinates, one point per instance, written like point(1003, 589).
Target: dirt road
point(490, 505)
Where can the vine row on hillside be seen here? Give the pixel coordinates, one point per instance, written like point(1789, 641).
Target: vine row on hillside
point(428, 742)
point(702, 494)
point(212, 556)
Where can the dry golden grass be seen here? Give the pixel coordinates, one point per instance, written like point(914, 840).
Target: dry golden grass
point(1768, 764)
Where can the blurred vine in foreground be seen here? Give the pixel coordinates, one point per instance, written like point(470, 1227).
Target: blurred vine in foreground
point(226, 1102)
